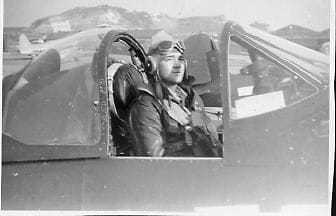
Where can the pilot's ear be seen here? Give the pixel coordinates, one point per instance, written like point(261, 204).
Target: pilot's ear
point(152, 65)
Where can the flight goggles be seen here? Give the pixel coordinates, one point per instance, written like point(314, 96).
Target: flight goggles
point(167, 46)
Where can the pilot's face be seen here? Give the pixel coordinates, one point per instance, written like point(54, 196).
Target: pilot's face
point(171, 68)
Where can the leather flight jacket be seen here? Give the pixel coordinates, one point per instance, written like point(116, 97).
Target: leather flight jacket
point(157, 131)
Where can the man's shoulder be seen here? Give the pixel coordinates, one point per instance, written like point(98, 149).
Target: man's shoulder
point(146, 99)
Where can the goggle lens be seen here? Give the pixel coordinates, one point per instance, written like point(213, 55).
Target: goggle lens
point(165, 46)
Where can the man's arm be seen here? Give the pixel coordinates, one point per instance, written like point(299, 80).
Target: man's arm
point(146, 127)
point(205, 121)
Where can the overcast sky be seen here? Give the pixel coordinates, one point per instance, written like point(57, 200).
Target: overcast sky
point(278, 13)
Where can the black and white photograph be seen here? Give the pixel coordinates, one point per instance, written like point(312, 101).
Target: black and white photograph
point(167, 107)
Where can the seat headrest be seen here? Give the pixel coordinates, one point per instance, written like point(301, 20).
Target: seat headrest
point(125, 84)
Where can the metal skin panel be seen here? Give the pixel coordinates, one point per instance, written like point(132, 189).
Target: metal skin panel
point(14, 151)
point(45, 185)
point(157, 185)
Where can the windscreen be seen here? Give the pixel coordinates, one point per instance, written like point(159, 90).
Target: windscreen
point(53, 102)
point(79, 48)
point(314, 63)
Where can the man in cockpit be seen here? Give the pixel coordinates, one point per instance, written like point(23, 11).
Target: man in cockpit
point(266, 74)
point(167, 118)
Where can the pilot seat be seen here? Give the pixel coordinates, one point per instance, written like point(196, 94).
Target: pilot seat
point(125, 81)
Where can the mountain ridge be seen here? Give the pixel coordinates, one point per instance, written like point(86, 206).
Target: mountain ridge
point(80, 18)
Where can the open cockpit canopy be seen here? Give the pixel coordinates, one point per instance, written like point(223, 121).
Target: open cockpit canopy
point(314, 63)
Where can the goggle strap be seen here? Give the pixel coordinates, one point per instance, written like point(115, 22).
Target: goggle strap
point(179, 46)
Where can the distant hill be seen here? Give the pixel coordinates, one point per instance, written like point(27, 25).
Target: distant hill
point(199, 24)
point(325, 34)
point(304, 36)
point(295, 31)
point(81, 18)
